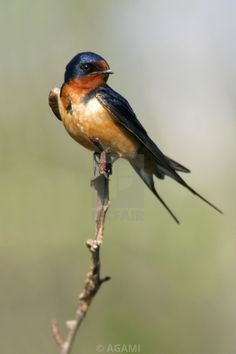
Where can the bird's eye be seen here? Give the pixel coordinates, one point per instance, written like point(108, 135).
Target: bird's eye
point(85, 67)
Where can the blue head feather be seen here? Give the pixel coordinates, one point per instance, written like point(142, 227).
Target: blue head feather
point(76, 67)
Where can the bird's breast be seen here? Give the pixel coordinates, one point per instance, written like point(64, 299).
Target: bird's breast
point(87, 120)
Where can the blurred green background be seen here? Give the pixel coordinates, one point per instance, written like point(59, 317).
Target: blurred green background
point(173, 287)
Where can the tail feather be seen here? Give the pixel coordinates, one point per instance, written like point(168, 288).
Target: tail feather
point(175, 166)
point(183, 183)
point(171, 172)
point(148, 180)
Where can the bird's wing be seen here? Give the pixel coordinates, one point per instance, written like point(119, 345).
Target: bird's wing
point(53, 102)
point(119, 107)
point(121, 111)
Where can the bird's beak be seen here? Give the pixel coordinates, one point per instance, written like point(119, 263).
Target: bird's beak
point(108, 71)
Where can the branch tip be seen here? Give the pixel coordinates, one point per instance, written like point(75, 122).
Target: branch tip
point(56, 334)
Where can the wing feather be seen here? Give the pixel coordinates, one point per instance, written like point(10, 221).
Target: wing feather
point(119, 107)
point(121, 110)
point(53, 102)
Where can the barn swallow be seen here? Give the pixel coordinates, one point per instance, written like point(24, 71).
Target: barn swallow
point(90, 109)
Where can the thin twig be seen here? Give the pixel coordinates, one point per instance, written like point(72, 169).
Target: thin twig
point(93, 279)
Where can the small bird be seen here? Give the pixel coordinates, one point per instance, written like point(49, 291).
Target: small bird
point(90, 109)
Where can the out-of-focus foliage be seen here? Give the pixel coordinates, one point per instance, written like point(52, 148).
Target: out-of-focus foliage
point(172, 289)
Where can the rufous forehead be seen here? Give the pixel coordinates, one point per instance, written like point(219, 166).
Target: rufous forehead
point(101, 64)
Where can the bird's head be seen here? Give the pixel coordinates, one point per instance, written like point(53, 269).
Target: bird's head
point(86, 66)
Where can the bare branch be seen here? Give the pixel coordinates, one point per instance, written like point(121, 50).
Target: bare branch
point(93, 281)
